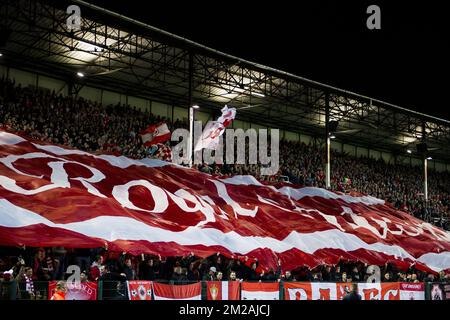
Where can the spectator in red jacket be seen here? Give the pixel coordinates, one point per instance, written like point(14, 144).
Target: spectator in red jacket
point(95, 273)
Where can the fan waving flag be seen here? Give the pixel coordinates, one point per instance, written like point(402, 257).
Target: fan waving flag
point(177, 292)
point(154, 134)
point(214, 129)
point(56, 196)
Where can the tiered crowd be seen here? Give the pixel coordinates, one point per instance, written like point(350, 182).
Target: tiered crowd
point(93, 127)
point(33, 268)
point(90, 126)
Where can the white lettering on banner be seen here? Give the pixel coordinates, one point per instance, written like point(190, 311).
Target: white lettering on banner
point(323, 291)
point(298, 294)
point(390, 293)
point(181, 195)
point(121, 194)
point(238, 210)
point(210, 201)
point(60, 176)
point(59, 179)
point(370, 291)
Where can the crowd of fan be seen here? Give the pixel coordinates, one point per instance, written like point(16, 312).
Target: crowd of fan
point(34, 267)
point(93, 127)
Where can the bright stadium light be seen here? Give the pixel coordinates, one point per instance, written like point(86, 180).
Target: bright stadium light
point(1, 54)
point(429, 158)
point(80, 74)
point(408, 151)
point(196, 106)
point(332, 136)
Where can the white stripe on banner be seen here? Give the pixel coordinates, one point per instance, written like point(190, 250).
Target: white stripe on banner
point(125, 228)
point(224, 290)
point(9, 138)
point(260, 295)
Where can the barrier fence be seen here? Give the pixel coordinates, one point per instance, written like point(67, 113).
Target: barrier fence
point(223, 290)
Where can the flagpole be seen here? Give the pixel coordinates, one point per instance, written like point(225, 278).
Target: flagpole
point(327, 143)
point(191, 135)
point(191, 109)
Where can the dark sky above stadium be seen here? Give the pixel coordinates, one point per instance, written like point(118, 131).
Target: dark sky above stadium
point(405, 63)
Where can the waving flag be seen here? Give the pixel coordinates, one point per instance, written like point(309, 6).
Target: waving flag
point(214, 129)
point(56, 196)
point(154, 134)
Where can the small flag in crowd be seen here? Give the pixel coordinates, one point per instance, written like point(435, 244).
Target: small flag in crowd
point(164, 152)
point(347, 181)
point(156, 133)
point(214, 129)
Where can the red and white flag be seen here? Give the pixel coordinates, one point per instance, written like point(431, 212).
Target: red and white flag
point(163, 291)
point(56, 196)
point(222, 290)
point(210, 137)
point(260, 291)
point(139, 290)
point(156, 133)
point(164, 152)
point(412, 291)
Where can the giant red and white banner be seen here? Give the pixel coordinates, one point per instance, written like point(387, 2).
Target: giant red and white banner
point(56, 196)
point(163, 291)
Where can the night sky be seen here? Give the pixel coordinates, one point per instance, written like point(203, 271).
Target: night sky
point(405, 63)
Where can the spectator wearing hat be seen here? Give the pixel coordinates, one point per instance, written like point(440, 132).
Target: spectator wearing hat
point(211, 275)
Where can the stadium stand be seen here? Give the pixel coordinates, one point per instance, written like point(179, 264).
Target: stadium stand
point(288, 102)
point(90, 126)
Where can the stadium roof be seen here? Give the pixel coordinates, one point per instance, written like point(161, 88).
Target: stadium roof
point(120, 53)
